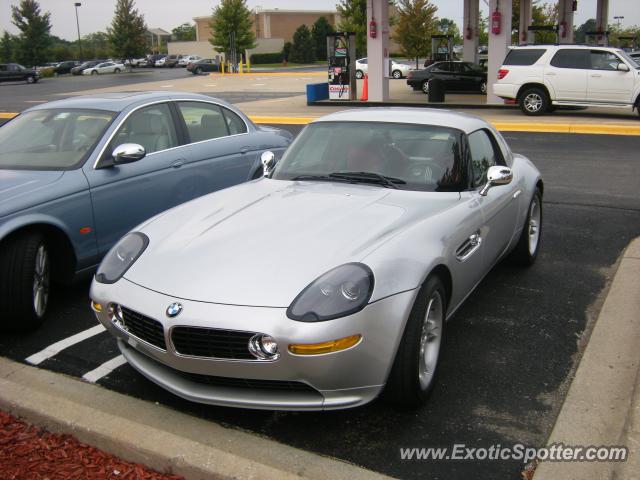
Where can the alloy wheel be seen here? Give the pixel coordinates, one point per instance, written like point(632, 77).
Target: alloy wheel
point(41, 281)
point(430, 340)
point(533, 102)
point(534, 225)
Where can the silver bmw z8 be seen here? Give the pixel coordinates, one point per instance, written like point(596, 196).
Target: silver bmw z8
point(327, 282)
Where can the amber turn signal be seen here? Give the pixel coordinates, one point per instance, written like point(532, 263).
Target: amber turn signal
point(96, 307)
point(325, 347)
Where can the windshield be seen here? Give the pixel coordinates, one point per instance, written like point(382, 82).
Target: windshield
point(415, 157)
point(51, 139)
point(632, 61)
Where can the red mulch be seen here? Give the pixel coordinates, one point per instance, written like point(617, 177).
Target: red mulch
point(31, 453)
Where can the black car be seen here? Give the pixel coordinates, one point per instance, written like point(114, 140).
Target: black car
point(64, 67)
point(12, 72)
point(458, 76)
point(82, 67)
point(203, 65)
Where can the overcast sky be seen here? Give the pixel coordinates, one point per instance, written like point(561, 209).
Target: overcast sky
point(97, 14)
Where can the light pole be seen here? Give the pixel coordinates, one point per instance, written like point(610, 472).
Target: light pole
point(618, 18)
point(78, 4)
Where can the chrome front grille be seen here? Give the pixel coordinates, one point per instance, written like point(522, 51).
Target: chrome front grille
point(211, 343)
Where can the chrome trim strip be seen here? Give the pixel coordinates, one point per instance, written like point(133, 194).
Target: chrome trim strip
point(95, 164)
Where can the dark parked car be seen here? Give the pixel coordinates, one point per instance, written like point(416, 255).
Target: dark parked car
point(64, 67)
point(203, 65)
point(82, 67)
point(458, 76)
point(12, 72)
point(78, 173)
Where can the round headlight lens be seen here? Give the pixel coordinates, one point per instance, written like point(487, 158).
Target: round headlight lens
point(121, 257)
point(339, 292)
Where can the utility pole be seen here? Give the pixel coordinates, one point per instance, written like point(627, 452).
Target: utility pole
point(78, 4)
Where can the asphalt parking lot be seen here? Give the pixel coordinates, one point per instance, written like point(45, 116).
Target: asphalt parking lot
point(18, 96)
point(509, 352)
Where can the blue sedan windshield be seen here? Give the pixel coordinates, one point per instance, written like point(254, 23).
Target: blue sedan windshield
point(51, 139)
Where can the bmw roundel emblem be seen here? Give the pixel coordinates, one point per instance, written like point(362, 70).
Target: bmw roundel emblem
point(174, 310)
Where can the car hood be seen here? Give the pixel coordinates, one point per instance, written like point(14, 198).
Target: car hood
point(20, 189)
point(262, 242)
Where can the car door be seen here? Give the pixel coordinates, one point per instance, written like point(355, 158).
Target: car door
point(500, 206)
point(126, 195)
point(444, 71)
point(220, 151)
point(4, 72)
point(605, 82)
point(566, 74)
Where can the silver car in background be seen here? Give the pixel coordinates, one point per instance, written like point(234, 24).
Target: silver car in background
point(327, 282)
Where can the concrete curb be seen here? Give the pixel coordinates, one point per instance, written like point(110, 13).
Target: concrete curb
point(599, 408)
point(157, 436)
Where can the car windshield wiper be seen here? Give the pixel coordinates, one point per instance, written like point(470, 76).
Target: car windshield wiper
point(308, 176)
point(369, 177)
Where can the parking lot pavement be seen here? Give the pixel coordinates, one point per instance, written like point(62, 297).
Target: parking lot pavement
point(18, 96)
point(509, 352)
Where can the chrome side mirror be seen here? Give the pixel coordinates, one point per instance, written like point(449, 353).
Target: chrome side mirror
point(623, 67)
point(268, 160)
point(497, 175)
point(128, 153)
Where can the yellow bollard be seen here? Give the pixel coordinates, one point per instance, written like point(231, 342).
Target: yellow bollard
point(248, 65)
point(240, 68)
point(222, 68)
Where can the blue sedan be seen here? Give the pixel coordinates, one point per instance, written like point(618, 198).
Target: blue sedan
point(77, 174)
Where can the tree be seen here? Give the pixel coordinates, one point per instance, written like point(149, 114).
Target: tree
point(286, 51)
point(302, 50)
point(545, 14)
point(232, 16)
point(7, 47)
point(128, 32)
point(588, 26)
point(95, 45)
point(34, 40)
point(184, 33)
point(483, 30)
point(319, 32)
point(416, 23)
point(446, 26)
point(353, 18)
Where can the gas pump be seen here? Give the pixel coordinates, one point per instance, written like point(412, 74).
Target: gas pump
point(441, 48)
point(341, 59)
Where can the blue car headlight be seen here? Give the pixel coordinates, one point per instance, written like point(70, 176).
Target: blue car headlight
point(121, 257)
point(339, 292)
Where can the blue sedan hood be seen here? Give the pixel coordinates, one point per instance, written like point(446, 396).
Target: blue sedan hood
point(20, 189)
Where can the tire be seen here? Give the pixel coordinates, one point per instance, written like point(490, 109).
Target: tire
point(95, 72)
point(528, 245)
point(117, 70)
point(415, 367)
point(483, 88)
point(397, 74)
point(425, 87)
point(25, 276)
point(534, 101)
point(198, 71)
point(359, 74)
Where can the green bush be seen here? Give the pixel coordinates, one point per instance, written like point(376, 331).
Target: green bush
point(46, 72)
point(258, 58)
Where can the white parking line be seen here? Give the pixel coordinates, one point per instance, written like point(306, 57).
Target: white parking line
point(105, 369)
point(54, 349)
point(166, 86)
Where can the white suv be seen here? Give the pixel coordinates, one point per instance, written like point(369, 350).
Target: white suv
point(541, 77)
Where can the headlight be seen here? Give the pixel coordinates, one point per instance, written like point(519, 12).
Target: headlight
point(339, 292)
point(121, 257)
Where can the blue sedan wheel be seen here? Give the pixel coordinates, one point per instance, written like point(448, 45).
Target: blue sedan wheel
point(25, 273)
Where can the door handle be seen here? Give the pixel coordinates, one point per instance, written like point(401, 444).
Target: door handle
point(469, 247)
point(551, 74)
point(596, 75)
point(244, 150)
point(177, 163)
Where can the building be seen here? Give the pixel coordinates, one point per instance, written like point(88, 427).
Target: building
point(272, 28)
point(157, 37)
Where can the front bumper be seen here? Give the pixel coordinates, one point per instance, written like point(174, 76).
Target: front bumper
point(343, 379)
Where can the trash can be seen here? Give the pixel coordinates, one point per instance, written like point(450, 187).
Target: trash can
point(317, 91)
point(436, 90)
